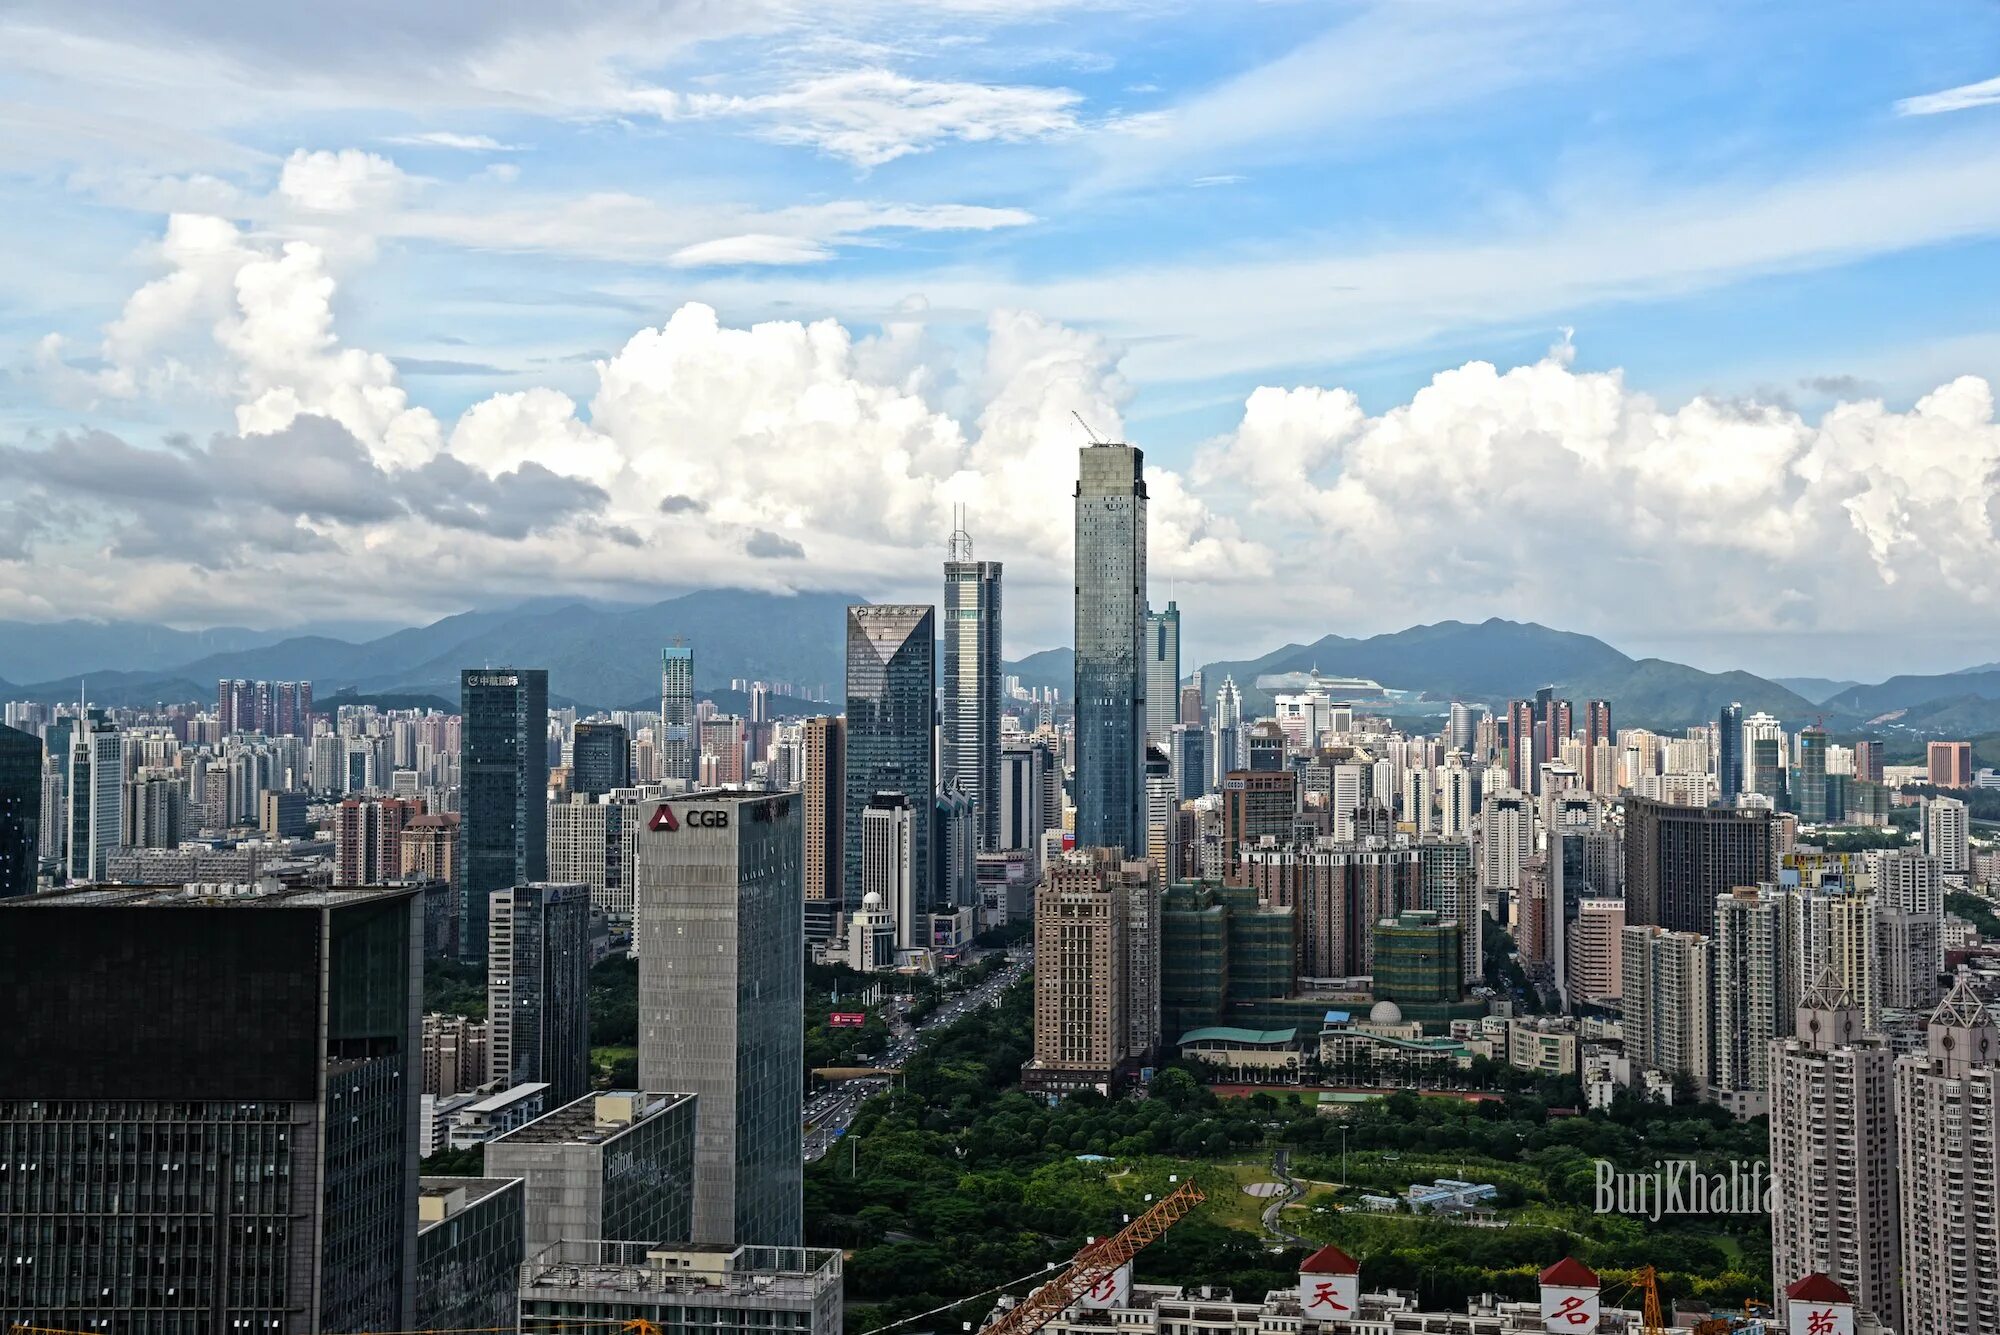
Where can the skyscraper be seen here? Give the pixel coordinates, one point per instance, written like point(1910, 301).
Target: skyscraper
point(1832, 1126)
point(96, 796)
point(971, 722)
point(1947, 834)
point(888, 868)
point(1521, 745)
point(1097, 990)
point(721, 983)
point(239, 1076)
point(1460, 727)
point(1729, 751)
point(1947, 1145)
point(824, 821)
point(1678, 859)
point(1949, 764)
point(1810, 798)
point(1755, 992)
point(1226, 749)
point(503, 829)
point(600, 758)
point(1163, 673)
point(890, 678)
point(680, 745)
point(20, 811)
point(538, 987)
point(1110, 698)
point(1596, 730)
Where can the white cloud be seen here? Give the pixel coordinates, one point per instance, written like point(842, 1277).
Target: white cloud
point(873, 116)
point(750, 248)
point(1965, 97)
point(463, 143)
point(347, 181)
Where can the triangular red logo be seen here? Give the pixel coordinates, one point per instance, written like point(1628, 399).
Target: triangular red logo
point(663, 819)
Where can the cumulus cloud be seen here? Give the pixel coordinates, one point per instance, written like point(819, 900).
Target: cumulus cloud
point(833, 459)
point(346, 181)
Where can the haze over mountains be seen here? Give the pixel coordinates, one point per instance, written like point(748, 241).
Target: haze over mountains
point(607, 656)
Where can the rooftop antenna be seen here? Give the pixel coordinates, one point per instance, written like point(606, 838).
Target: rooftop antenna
point(1086, 428)
point(960, 546)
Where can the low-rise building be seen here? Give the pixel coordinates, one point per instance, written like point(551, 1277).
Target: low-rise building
point(1251, 1056)
point(1544, 1045)
point(497, 1114)
point(617, 1164)
point(469, 1252)
point(716, 1290)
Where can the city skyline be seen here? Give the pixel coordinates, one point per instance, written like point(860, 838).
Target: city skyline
point(470, 318)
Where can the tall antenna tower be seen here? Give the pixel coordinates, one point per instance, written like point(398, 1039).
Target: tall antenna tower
point(960, 546)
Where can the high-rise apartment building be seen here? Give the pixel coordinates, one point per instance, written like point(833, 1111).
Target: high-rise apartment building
point(1163, 673)
point(430, 849)
point(1507, 838)
point(1949, 764)
point(1255, 806)
point(1595, 957)
point(20, 811)
point(1947, 833)
point(1097, 976)
point(1521, 745)
point(1111, 713)
point(680, 745)
point(600, 758)
point(273, 708)
point(1833, 1152)
point(96, 796)
point(1678, 859)
point(1755, 992)
point(1729, 752)
point(970, 726)
point(1596, 731)
point(1868, 761)
point(890, 679)
point(455, 1054)
point(368, 839)
point(538, 987)
point(823, 799)
point(721, 984)
point(503, 829)
point(1665, 1000)
point(1948, 1170)
point(238, 1076)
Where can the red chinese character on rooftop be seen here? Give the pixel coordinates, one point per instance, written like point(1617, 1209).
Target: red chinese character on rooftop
point(1323, 1296)
point(1820, 1323)
point(1572, 1310)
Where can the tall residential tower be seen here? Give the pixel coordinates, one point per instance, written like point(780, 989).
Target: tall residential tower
point(503, 829)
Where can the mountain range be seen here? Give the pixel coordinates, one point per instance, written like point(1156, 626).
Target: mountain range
point(607, 656)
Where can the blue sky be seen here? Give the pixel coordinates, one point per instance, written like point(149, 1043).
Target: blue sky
point(1778, 208)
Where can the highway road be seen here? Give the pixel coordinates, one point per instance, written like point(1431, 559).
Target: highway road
point(829, 1112)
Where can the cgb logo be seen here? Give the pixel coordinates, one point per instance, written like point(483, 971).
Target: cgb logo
point(663, 819)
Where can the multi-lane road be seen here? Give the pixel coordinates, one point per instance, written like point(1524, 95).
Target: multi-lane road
point(829, 1112)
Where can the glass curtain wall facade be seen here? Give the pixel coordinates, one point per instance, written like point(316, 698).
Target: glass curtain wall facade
point(891, 680)
point(503, 828)
point(1110, 649)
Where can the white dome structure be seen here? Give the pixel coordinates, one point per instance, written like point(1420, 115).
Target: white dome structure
point(1385, 1012)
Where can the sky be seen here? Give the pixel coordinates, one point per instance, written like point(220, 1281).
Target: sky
point(1672, 324)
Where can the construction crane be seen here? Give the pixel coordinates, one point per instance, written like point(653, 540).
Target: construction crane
point(1095, 1263)
point(1087, 429)
point(1645, 1284)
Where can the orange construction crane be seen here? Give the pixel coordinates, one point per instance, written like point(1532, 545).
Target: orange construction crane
point(1095, 1262)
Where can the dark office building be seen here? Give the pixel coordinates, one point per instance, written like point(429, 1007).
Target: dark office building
point(20, 810)
point(1729, 751)
point(538, 987)
point(469, 1252)
point(208, 1107)
point(600, 758)
point(1678, 859)
point(503, 828)
point(891, 680)
point(1266, 747)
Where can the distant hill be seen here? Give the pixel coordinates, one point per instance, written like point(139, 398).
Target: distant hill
point(1814, 688)
point(45, 650)
point(1906, 692)
point(1050, 667)
point(1494, 661)
point(598, 656)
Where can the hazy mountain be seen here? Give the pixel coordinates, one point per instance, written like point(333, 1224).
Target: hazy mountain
point(1050, 667)
point(1906, 692)
point(43, 650)
point(1496, 660)
point(1814, 688)
point(597, 655)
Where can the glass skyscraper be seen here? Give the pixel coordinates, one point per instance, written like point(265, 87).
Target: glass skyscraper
point(503, 827)
point(891, 677)
point(680, 742)
point(971, 724)
point(1729, 751)
point(538, 987)
point(96, 797)
point(209, 1104)
point(1163, 675)
point(600, 758)
point(20, 811)
point(1110, 649)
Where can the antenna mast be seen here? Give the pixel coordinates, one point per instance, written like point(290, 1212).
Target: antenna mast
point(960, 546)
